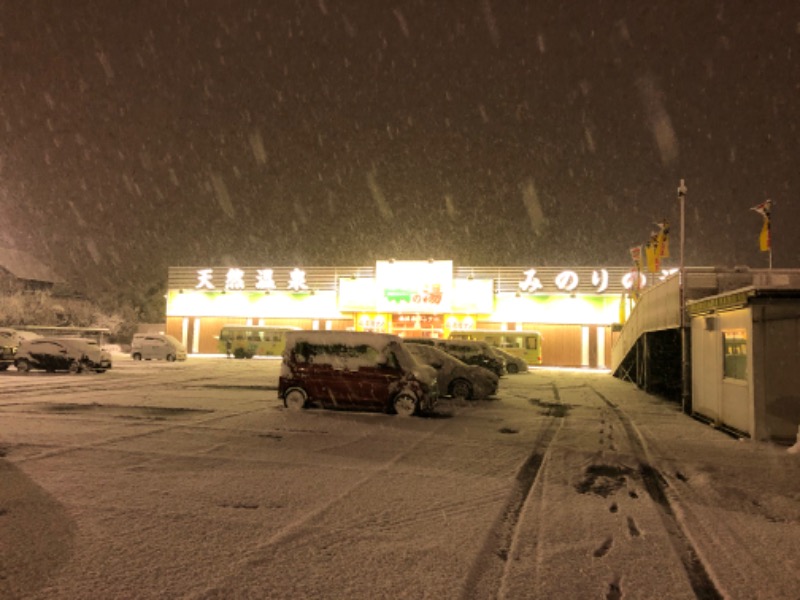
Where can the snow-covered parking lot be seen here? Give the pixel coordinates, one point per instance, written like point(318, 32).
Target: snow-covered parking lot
point(166, 480)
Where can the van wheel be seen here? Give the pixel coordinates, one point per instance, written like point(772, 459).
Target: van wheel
point(74, 367)
point(460, 388)
point(137, 356)
point(294, 399)
point(23, 366)
point(405, 405)
point(170, 358)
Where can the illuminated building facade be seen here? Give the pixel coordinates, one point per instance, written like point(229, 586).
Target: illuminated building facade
point(575, 309)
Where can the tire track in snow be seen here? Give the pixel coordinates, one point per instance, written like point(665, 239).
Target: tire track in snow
point(150, 431)
point(259, 554)
point(39, 384)
point(488, 572)
point(655, 484)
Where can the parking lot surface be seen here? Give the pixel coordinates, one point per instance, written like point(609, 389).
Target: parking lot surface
point(191, 480)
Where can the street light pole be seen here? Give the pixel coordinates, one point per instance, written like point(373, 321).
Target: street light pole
point(685, 371)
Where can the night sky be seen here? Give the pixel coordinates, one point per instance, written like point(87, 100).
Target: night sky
point(140, 134)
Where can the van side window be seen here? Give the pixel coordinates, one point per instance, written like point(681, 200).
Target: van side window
point(302, 352)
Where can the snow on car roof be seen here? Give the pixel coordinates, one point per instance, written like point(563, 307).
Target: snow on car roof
point(345, 338)
point(60, 339)
point(340, 349)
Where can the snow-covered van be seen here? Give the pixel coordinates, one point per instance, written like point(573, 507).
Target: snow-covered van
point(147, 346)
point(354, 370)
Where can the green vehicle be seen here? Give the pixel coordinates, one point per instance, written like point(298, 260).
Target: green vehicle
point(247, 341)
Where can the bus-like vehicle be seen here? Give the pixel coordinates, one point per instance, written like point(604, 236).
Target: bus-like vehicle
point(247, 341)
point(525, 344)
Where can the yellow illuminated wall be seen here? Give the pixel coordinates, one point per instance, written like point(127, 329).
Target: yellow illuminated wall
point(561, 310)
point(281, 305)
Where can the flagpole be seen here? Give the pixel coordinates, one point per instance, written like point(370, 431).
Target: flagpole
point(685, 397)
point(768, 217)
point(770, 247)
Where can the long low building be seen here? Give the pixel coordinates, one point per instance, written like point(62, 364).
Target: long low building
point(576, 309)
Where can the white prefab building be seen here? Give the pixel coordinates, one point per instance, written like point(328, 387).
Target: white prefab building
point(745, 354)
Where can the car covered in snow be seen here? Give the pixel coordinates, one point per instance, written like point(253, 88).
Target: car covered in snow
point(9, 342)
point(157, 346)
point(354, 370)
point(455, 377)
point(468, 351)
point(61, 354)
point(514, 364)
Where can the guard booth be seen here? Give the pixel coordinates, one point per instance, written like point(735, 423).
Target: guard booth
point(745, 345)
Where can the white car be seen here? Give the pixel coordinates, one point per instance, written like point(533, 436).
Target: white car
point(146, 346)
point(61, 354)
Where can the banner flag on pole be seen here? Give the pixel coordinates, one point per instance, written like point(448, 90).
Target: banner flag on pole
point(652, 254)
point(662, 243)
point(765, 237)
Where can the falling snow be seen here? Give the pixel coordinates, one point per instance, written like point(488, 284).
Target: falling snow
point(189, 134)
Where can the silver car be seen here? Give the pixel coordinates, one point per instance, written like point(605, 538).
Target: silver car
point(61, 354)
point(514, 364)
point(456, 378)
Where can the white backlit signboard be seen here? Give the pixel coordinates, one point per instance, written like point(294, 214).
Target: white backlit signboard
point(473, 296)
point(356, 294)
point(414, 286)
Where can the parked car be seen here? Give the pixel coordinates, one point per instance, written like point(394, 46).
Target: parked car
point(455, 377)
point(9, 342)
point(354, 370)
point(468, 351)
point(514, 364)
point(147, 346)
point(61, 354)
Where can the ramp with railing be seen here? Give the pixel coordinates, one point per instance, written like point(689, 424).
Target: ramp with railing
point(648, 349)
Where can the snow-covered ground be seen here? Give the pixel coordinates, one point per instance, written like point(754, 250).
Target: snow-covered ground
point(191, 480)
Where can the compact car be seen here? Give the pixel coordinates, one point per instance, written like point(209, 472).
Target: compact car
point(148, 346)
point(455, 377)
point(514, 364)
point(9, 342)
point(468, 351)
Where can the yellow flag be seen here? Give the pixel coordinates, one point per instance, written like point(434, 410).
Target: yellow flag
point(662, 243)
point(651, 254)
point(764, 239)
